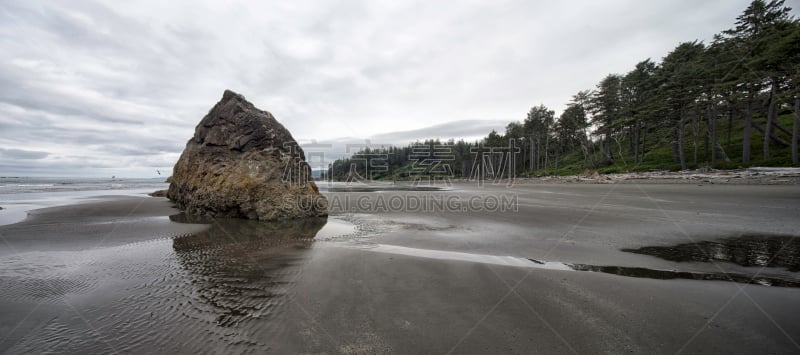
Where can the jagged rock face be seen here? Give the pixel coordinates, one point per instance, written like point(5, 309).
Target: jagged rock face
point(243, 163)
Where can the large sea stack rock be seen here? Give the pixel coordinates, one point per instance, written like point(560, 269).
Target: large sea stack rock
point(242, 163)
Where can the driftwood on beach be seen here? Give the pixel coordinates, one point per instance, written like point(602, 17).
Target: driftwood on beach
point(751, 176)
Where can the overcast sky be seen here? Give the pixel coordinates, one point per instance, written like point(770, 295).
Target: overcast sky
point(101, 88)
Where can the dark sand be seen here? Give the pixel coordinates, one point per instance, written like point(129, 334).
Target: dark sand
point(130, 274)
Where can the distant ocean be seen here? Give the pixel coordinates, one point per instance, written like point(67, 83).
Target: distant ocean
point(21, 194)
point(18, 185)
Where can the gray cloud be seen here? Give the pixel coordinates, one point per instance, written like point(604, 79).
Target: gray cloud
point(21, 154)
point(105, 87)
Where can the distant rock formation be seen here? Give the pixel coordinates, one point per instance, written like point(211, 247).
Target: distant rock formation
point(158, 193)
point(243, 163)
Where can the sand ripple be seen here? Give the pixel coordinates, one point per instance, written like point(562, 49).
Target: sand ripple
point(213, 291)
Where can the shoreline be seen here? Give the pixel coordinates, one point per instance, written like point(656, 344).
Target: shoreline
point(16, 207)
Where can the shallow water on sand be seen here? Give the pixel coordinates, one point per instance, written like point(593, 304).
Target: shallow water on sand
point(781, 251)
point(122, 275)
point(743, 254)
point(214, 291)
point(225, 289)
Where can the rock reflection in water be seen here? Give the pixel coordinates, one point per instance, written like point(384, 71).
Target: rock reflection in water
point(240, 268)
point(747, 250)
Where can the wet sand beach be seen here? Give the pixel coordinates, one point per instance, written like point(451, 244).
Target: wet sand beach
point(706, 269)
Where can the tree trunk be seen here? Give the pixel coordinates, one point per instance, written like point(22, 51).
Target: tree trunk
point(770, 118)
point(730, 127)
point(680, 140)
point(619, 151)
point(585, 151)
point(776, 125)
point(546, 147)
point(695, 135)
point(705, 141)
point(722, 153)
point(713, 118)
point(675, 156)
point(795, 127)
point(643, 129)
point(555, 172)
point(771, 136)
point(631, 132)
point(609, 156)
point(636, 143)
point(746, 133)
point(585, 143)
point(530, 156)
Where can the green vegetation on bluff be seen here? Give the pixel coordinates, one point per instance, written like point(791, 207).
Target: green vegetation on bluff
point(731, 103)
